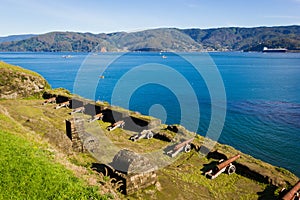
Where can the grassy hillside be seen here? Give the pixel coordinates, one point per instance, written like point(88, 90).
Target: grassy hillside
point(28, 172)
point(16, 82)
point(36, 159)
point(32, 168)
point(168, 39)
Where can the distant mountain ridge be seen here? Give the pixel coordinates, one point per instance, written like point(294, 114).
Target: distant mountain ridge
point(165, 39)
point(11, 38)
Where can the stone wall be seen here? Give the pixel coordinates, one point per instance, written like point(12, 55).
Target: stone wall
point(134, 182)
point(75, 129)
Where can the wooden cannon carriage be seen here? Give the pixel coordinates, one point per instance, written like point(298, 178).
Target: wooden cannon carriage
point(50, 100)
point(96, 117)
point(222, 167)
point(182, 146)
point(77, 110)
point(64, 104)
point(118, 124)
point(148, 134)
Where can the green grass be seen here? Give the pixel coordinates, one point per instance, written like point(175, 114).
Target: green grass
point(14, 79)
point(27, 172)
point(18, 69)
point(59, 91)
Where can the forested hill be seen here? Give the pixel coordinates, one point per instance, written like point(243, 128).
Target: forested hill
point(15, 37)
point(167, 39)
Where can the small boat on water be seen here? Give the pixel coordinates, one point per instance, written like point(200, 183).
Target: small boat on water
point(67, 56)
point(164, 57)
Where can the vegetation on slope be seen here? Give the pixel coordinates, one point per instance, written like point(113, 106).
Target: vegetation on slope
point(16, 82)
point(36, 158)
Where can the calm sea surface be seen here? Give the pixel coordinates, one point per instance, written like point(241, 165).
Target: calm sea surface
point(262, 92)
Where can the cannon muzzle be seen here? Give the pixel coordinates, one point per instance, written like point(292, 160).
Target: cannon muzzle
point(291, 194)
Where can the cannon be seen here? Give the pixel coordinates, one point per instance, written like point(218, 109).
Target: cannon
point(50, 100)
point(118, 124)
point(96, 117)
point(222, 167)
point(64, 104)
point(293, 193)
point(144, 134)
point(182, 146)
point(77, 110)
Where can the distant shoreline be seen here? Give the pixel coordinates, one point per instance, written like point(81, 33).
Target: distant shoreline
point(73, 52)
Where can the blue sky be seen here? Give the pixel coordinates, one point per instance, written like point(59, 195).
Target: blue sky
point(98, 16)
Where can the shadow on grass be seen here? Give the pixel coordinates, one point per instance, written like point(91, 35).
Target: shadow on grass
point(212, 155)
point(268, 193)
point(209, 166)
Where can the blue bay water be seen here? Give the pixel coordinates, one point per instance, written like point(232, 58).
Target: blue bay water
point(262, 91)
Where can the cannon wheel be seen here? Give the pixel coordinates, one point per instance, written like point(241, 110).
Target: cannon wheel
point(187, 148)
point(133, 138)
point(149, 135)
point(231, 169)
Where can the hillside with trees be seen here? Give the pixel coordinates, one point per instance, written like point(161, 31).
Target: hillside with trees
point(166, 39)
point(247, 39)
point(15, 37)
